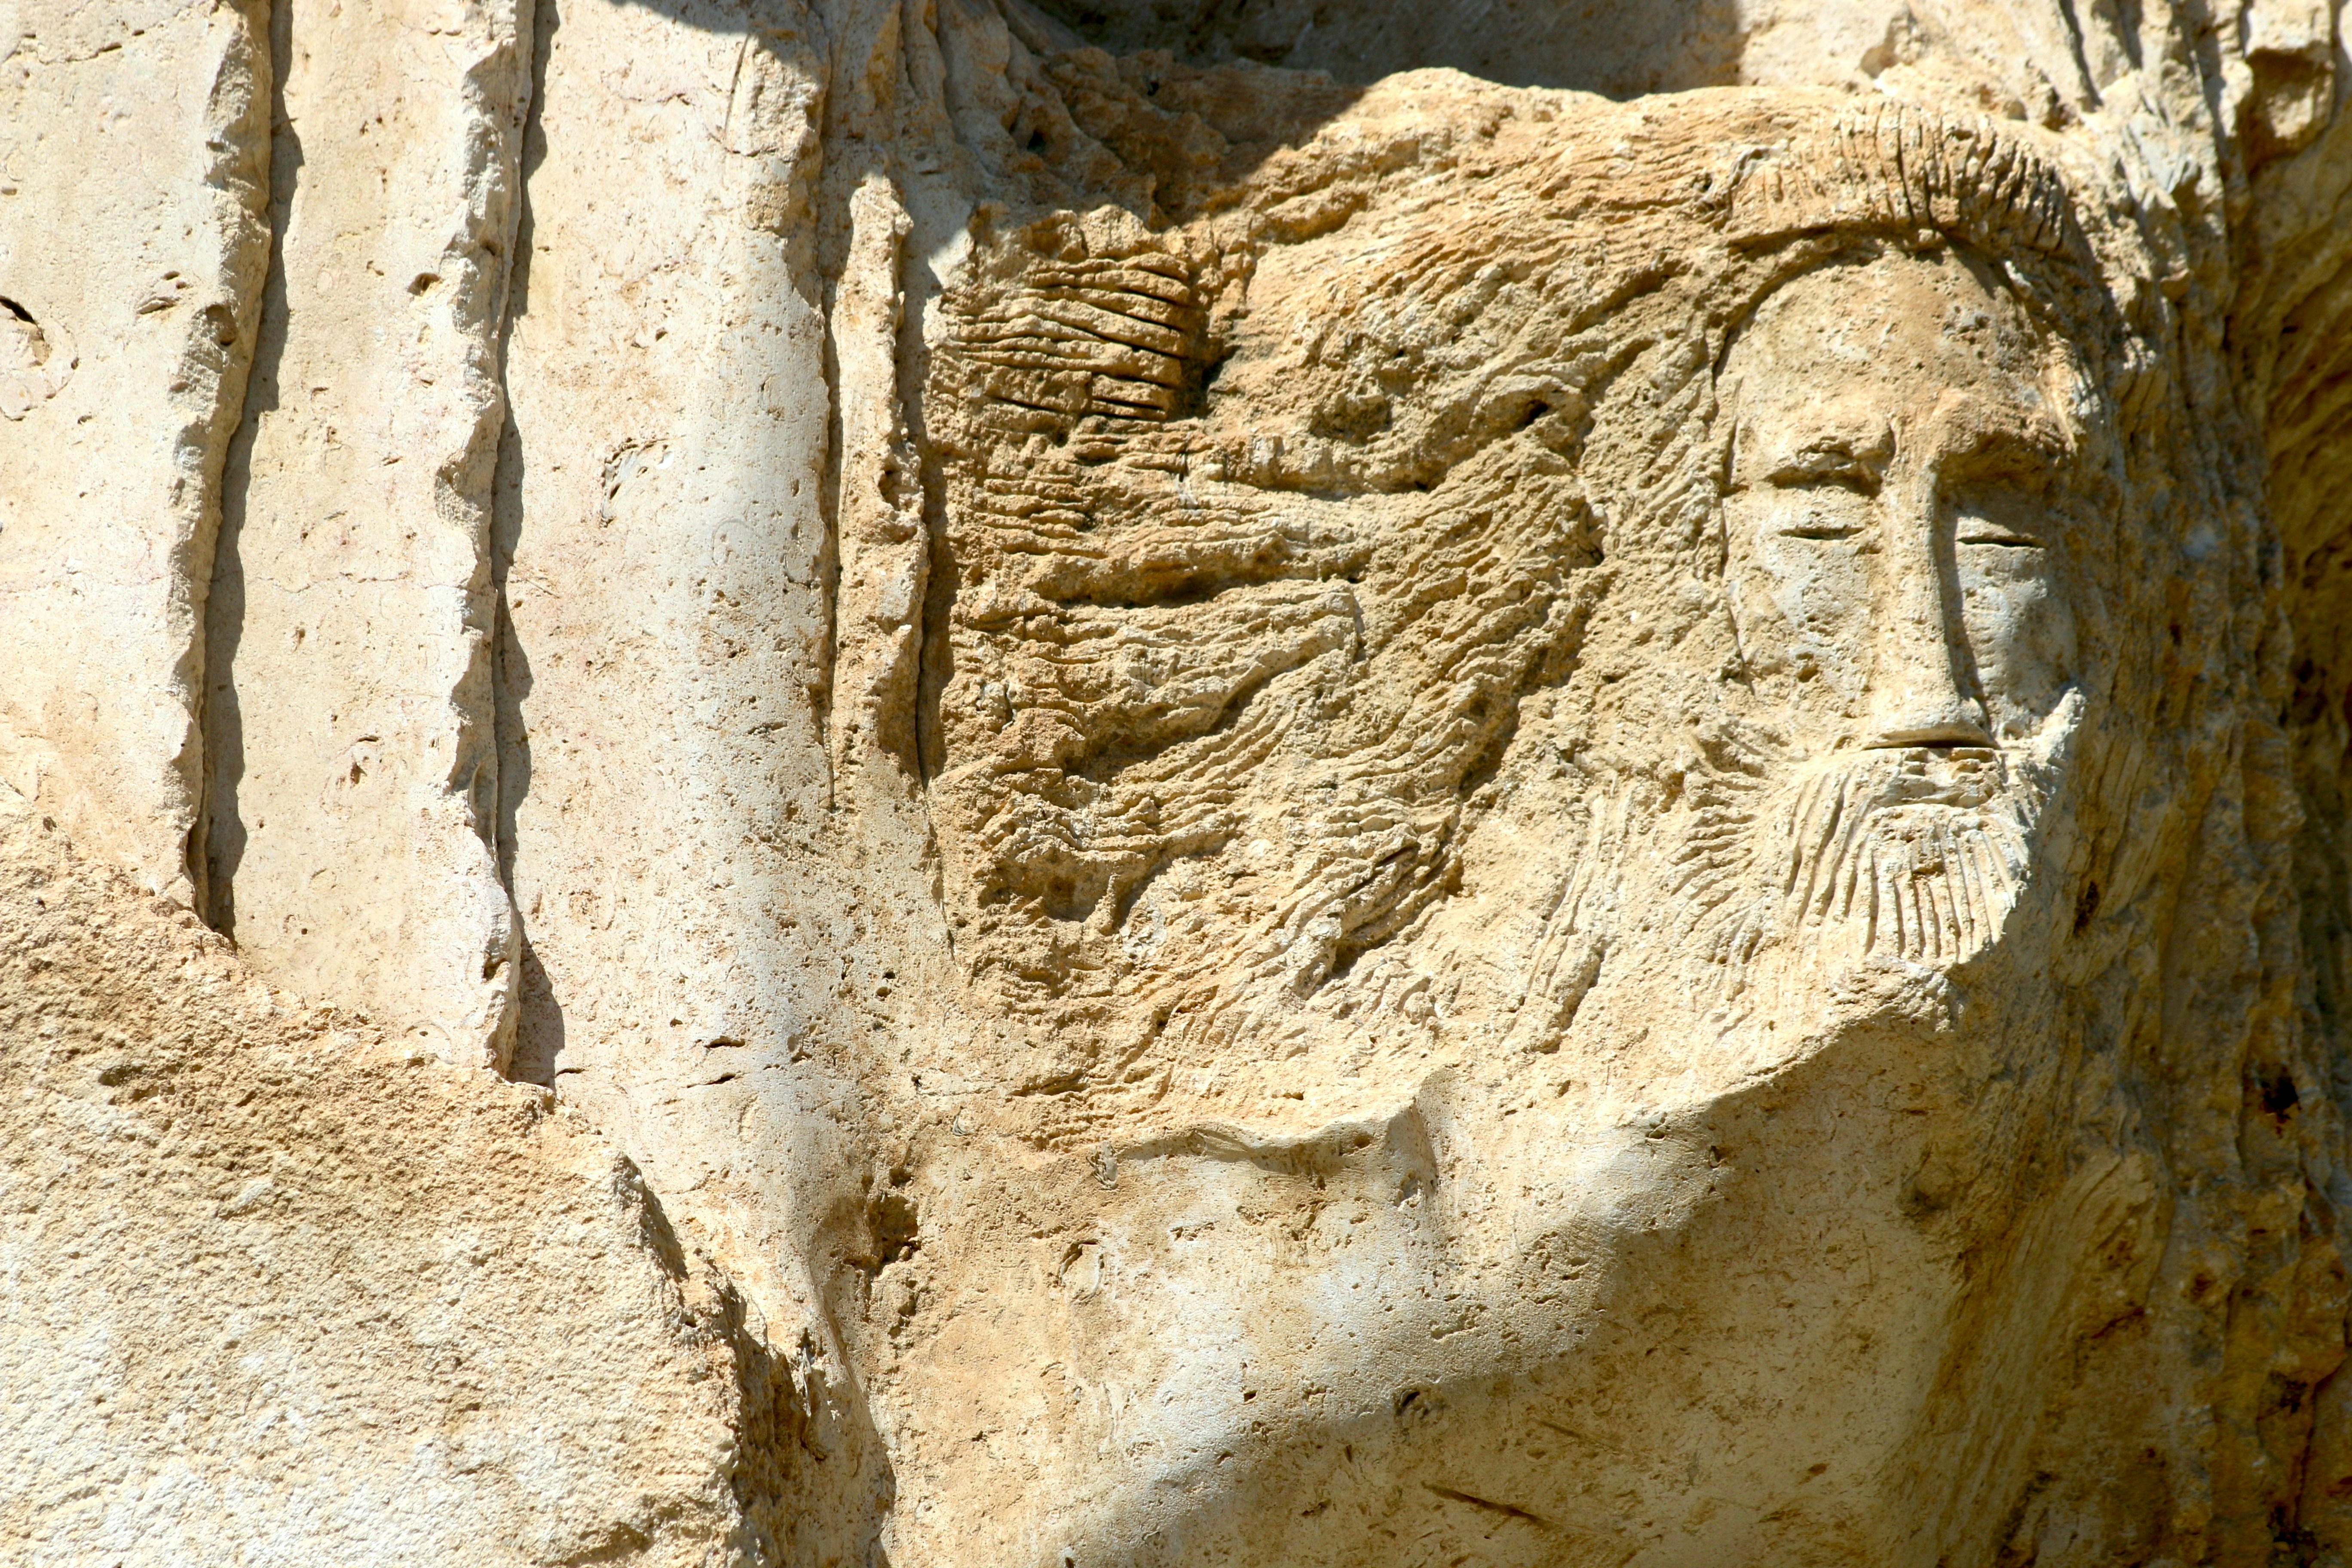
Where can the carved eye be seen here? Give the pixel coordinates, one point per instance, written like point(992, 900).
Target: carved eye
point(1998, 516)
point(1821, 488)
point(1976, 531)
point(1823, 529)
point(1821, 507)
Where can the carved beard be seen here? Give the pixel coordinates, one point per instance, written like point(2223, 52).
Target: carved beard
point(1910, 854)
point(1925, 855)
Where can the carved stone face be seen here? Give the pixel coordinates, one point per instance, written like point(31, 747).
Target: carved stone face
point(1894, 531)
point(1890, 541)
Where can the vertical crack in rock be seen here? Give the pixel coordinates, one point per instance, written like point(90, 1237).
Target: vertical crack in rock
point(664, 550)
point(217, 843)
point(509, 663)
point(356, 796)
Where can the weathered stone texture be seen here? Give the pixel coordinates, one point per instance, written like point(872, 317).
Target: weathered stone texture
point(279, 1288)
point(133, 170)
point(1156, 782)
point(354, 765)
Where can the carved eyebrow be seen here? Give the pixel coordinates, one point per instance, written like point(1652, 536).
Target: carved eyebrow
point(2008, 455)
point(1832, 459)
point(2034, 440)
point(1822, 448)
point(1994, 513)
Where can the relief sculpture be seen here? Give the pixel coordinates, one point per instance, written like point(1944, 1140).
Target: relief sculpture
point(1000, 783)
point(1465, 686)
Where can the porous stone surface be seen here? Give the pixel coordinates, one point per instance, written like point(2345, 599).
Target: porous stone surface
point(279, 1288)
point(953, 783)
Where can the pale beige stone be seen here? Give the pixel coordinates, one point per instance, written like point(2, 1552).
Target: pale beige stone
point(353, 764)
point(664, 538)
point(1308, 799)
point(133, 159)
point(280, 1289)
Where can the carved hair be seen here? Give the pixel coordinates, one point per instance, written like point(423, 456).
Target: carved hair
point(1188, 536)
point(1892, 168)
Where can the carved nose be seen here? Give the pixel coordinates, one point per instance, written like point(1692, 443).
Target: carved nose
point(1928, 724)
point(1917, 691)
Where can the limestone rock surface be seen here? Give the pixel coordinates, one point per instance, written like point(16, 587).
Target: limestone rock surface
point(964, 783)
point(282, 1289)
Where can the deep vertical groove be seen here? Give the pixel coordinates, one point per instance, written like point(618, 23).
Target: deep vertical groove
point(510, 667)
point(833, 251)
point(217, 843)
point(240, 169)
point(539, 1030)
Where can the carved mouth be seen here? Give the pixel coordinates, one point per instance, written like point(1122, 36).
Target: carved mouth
point(1946, 773)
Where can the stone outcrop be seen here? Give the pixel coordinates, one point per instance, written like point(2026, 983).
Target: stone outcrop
point(282, 1288)
point(953, 781)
